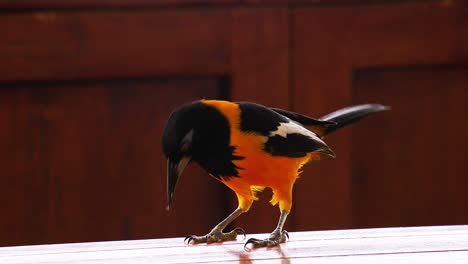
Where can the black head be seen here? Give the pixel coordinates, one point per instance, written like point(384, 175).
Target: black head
point(194, 132)
point(177, 135)
point(177, 142)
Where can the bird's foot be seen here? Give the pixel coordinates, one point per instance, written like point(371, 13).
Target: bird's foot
point(275, 239)
point(215, 236)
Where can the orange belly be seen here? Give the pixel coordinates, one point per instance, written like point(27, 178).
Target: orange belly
point(258, 169)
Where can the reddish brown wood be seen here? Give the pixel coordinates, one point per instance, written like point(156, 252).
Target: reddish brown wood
point(260, 55)
point(322, 193)
point(106, 44)
point(259, 68)
point(287, 54)
point(420, 175)
point(154, 42)
point(27, 4)
point(82, 162)
point(369, 36)
point(328, 52)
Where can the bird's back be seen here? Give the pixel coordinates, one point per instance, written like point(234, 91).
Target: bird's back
point(272, 147)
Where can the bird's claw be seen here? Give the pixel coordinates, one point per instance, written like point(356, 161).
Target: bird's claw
point(239, 231)
point(195, 239)
point(275, 239)
point(215, 236)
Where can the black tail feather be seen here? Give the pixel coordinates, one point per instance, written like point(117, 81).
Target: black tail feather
point(349, 115)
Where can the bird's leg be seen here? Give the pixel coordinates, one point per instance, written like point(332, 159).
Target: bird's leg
point(217, 234)
point(276, 237)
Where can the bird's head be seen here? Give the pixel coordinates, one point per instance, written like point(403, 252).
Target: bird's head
point(177, 144)
point(196, 132)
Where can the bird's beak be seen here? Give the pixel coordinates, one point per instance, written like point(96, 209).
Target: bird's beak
point(174, 170)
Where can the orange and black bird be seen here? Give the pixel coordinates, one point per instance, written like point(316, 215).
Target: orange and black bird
point(249, 147)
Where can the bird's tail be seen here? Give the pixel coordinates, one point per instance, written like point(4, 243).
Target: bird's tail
point(349, 115)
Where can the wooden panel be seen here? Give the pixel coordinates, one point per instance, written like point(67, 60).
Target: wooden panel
point(82, 162)
point(112, 43)
point(260, 56)
point(259, 73)
point(24, 4)
point(447, 244)
point(419, 177)
point(104, 44)
point(383, 35)
point(322, 193)
point(329, 45)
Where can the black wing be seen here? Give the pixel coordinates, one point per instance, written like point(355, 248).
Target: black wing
point(303, 119)
point(317, 126)
point(285, 137)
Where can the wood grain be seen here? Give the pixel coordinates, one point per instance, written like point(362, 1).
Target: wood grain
point(29, 4)
point(432, 244)
point(329, 54)
point(409, 191)
point(260, 56)
point(367, 36)
point(82, 162)
point(49, 45)
point(307, 56)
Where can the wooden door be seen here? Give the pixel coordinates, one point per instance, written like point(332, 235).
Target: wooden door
point(403, 167)
point(420, 177)
point(82, 162)
point(84, 96)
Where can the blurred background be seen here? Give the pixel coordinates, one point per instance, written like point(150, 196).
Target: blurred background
point(86, 87)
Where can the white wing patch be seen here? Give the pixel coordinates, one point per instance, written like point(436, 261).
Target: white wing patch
point(293, 128)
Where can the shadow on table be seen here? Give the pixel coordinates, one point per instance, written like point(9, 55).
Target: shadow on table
point(246, 256)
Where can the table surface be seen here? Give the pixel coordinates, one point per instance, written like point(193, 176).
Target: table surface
point(435, 244)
